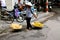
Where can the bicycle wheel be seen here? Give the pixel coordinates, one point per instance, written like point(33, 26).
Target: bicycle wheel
point(9, 20)
point(0, 16)
point(20, 18)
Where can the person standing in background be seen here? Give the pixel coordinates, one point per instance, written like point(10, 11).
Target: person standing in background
point(20, 5)
point(0, 7)
point(3, 4)
point(0, 3)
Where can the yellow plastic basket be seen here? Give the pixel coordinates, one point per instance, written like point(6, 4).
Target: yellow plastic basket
point(15, 26)
point(37, 24)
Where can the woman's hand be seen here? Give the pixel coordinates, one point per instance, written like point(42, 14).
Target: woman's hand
point(35, 16)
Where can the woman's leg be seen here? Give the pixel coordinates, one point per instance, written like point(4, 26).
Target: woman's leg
point(28, 23)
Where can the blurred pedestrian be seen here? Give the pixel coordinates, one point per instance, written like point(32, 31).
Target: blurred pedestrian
point(29, 14)
point(24, 6)
point(0, 3)
point(3, 4)
point(20, 5)
point(0, 7)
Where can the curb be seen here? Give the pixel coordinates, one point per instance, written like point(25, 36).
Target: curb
point(46, 18)
point(3, 34)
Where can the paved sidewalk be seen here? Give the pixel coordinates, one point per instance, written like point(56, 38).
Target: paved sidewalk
point(42, 15)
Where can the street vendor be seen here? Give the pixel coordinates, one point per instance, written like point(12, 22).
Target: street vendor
point(29, 14)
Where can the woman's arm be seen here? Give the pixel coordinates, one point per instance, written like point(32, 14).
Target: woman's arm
point(35, 15)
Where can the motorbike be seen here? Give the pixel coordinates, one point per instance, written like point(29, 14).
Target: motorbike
point(49, 6)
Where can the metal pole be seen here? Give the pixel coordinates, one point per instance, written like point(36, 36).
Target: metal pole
point(0, 7)
point(46, 6)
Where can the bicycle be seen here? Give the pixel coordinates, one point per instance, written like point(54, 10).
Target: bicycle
point(6, 16)
point(9, 16)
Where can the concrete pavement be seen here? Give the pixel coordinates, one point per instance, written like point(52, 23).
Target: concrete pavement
point(29, 35)
point(54, 25)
